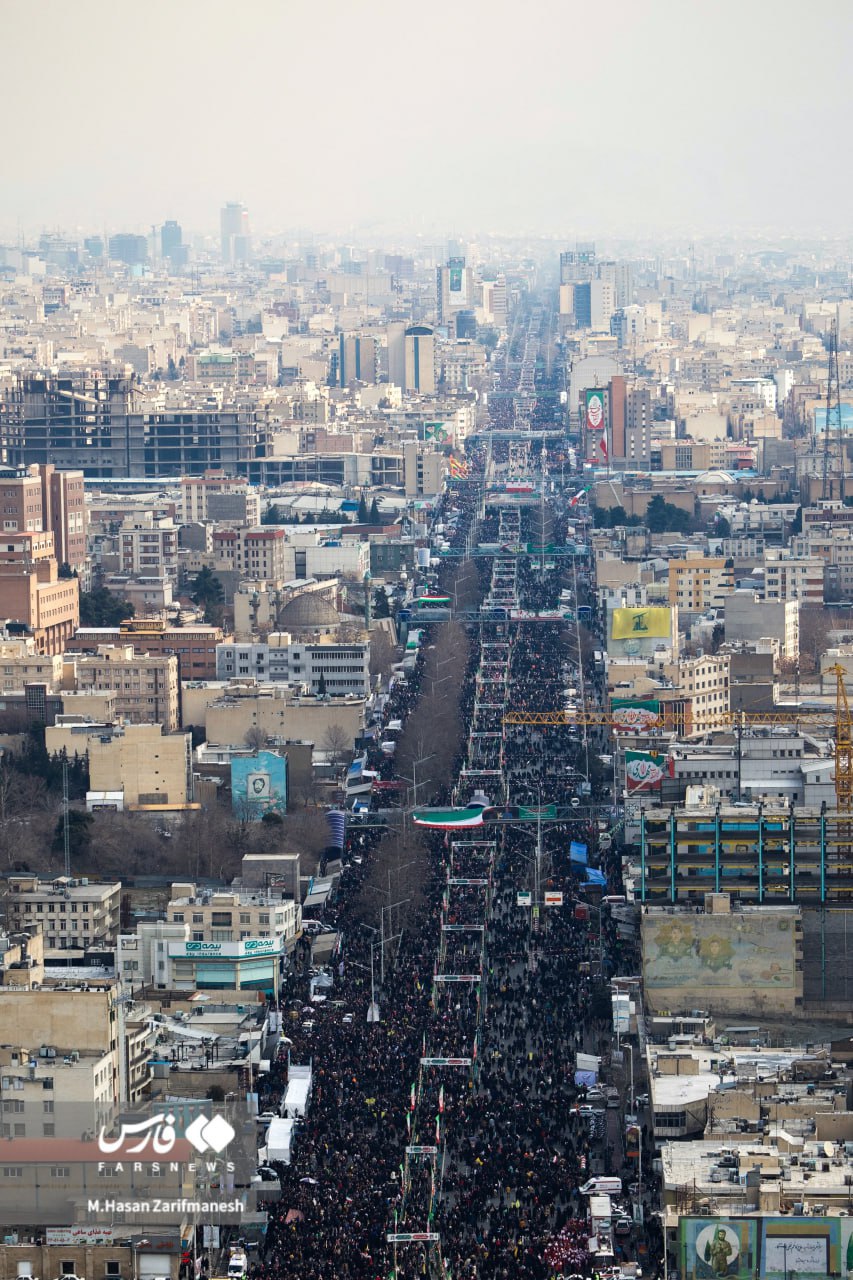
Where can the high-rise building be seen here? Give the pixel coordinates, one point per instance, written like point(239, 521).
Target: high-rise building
point(577, 265)
point(172, 245)
point(396, 340)
point(454, 289)
point(358, 359)
point(234, 232)
point(128, 248)
point(639, 420)
point(420, 360)
point(40, 499)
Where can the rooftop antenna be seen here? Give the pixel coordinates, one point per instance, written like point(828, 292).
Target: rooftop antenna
point(66, 829)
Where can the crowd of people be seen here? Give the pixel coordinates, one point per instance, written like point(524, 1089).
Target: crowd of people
point(484, 1157)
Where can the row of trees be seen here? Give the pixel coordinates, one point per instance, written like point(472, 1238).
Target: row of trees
point(661, 517)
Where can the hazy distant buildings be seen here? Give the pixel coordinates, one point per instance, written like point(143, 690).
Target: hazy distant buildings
point(577, 265)
point(128, 248)
point(234, 233)
point(172, 246)
point(454, 290)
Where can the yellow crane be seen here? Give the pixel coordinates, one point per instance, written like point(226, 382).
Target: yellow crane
point(836, 718)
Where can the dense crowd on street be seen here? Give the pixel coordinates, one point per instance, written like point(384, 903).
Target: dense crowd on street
point(501, 1145)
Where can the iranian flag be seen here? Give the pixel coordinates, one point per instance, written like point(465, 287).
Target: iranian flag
point(573, 502)
point(602, 444)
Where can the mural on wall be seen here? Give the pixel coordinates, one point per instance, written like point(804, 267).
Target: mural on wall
point(807, 1248)
point(711, 1248)
point(765, 1248)
point(718, 951)
point(258, 784)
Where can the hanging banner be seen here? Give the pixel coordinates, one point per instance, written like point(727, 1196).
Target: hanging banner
point(578, 852)
point(635, 624)
point(635, 715)
point(594, 410)
point(645, 771)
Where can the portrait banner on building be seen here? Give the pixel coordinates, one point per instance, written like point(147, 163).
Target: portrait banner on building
point(594, 410)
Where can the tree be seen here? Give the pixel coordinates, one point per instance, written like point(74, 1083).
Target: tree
point(79, 833)
point(375, 517)
point(65, 570)
point(381, 604)
point(208, 592)
point(255, 738)
point(722, 528)
point(321, 686)
point(656, 514)
point(362, 510)
point(336, 743)
point(272, 515)
point(100, 608)
point(172, 370)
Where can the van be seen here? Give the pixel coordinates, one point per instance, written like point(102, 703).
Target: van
point(602, 1187)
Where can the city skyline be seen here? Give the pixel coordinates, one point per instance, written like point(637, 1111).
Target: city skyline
point(570, 122)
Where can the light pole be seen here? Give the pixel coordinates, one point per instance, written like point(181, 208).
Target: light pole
point(373, 1013)
point(630, 1049)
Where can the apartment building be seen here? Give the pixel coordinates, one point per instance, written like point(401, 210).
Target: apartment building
point(325, 665)
point(788, 577)
point(146, 687)
point(229, 712)
point(139, 767)
point(220, 497)
point(235, 940)
point(148, 546)
point(21, 664)
point(700, 583)
point(194, 646)
point(70, 912)
point(40, 499)
point(32, 592)
point(56, 1093)
point(751, 620)
point(214, 916)
point(704, 683)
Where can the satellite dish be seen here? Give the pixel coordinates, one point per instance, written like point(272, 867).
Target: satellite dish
point(828, 1149)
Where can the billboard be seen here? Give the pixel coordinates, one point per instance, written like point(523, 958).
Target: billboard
point(594, 410)
point(763, 1248)
point(645, 771)
point(714, 951)
point(258, 784)
point(635, 715)
point(630, 624)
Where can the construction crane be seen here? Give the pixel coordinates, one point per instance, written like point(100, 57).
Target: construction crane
point(836, 718)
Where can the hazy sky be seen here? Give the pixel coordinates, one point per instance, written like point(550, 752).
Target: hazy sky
point(466, 115)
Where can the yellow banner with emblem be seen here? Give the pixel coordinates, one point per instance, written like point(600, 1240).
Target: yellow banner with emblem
point(641, 624)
